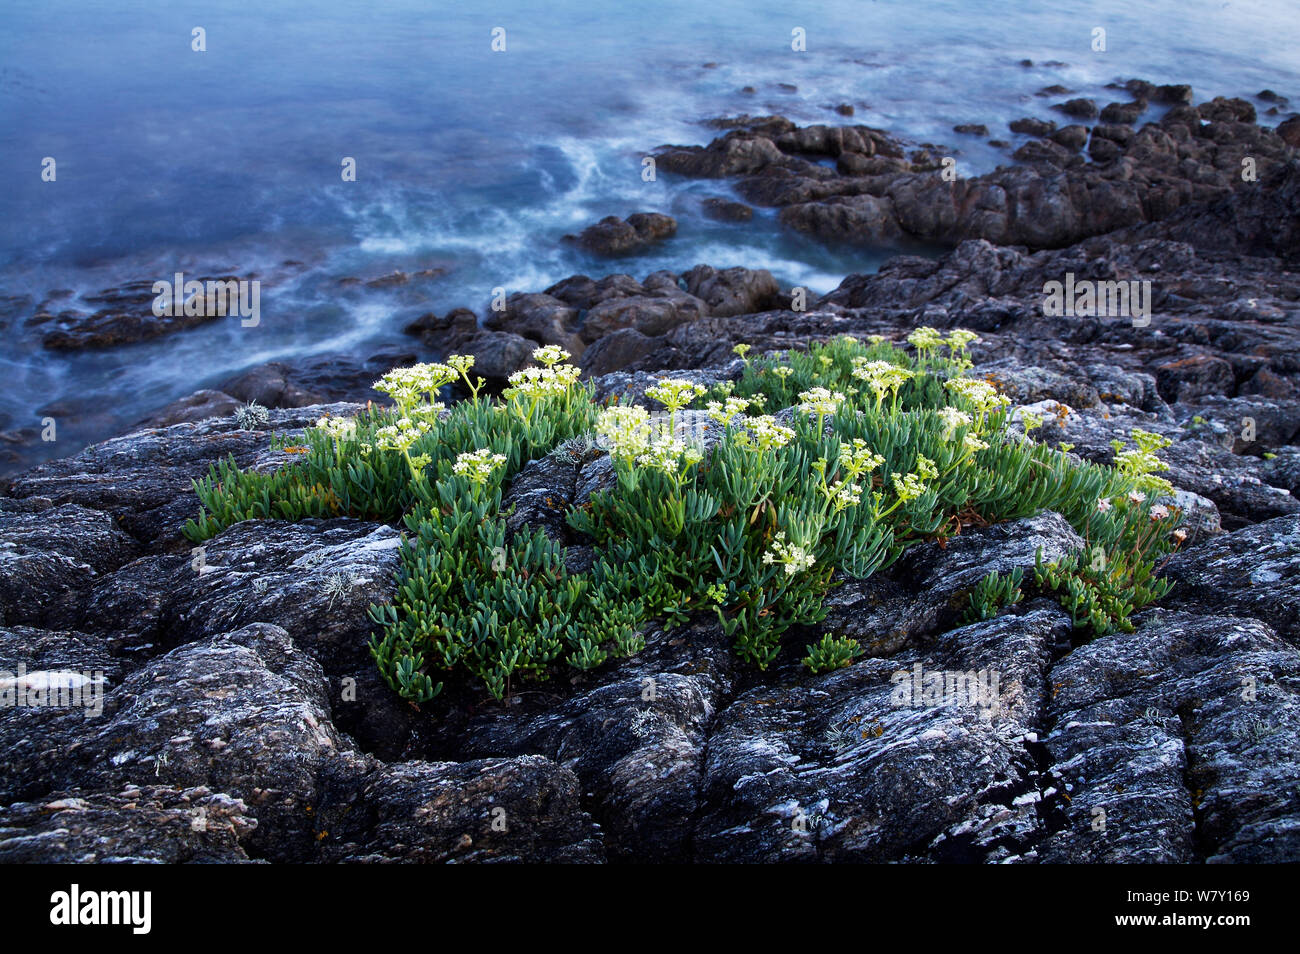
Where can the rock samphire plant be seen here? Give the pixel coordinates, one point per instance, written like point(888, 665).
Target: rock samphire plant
point(746, 503)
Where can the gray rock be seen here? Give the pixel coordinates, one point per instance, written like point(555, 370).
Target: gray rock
point(51, 557)
point(1251, 572)
point(1164, 758)
point(927, 592)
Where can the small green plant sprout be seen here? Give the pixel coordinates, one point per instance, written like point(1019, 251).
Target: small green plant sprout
point(743, 351)
point(994, 592)
point(1030, 421)
point(251, 416)
point(831, 653)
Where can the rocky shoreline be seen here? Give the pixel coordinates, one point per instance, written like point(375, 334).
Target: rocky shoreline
point(243, 720)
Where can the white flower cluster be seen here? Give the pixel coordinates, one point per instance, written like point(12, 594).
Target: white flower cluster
point(673, 394)
point(542, 382)
point(792, 556)
point(551, 355)
point(983, 395)
point(401, 434)
point(478, 465)
point(626, 431)
point(952, 418)
point(724, 413)
point(821, 401)
point(764, 433)
point(925, 338)
point(857, 458)
point(406, 386)
point(669, 455)
point(882, 377)
point(339, 428)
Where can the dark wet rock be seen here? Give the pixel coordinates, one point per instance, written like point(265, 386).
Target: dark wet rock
point(316, 580)
point(498, 354)
point(651, 316)
point(525, 809)
point(876, 195)
point(1102, 150)
point(826, 141)
point(615, 351)
point(724, 210)
point(835, 769)
point(52, 556)
point(391, 280)
point(636, 739)
point(198, 406)
point(435, 330)
point(971, 129)
point(845, 109)
point(1224, 110)
point(863, 219)
point(1122, 136)
point(1078, 108)
point(1289, 131)
point(1033, 127)
point(238, 723)
point(1046, 152)
point(540, 318)
point(1056, 89)
point(613, 236)
point(1174, 95)
point(1189, 378)
point(269, 385)
point(1123, 113)
point(1072, 137)
point(125, 315)
point(318, 380)
point(733, 291)
point(241, 713)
